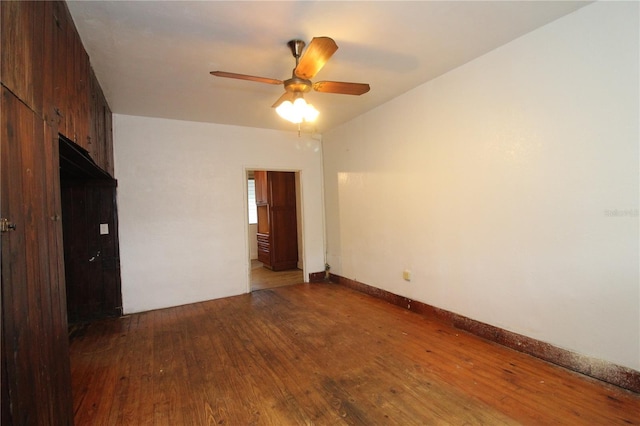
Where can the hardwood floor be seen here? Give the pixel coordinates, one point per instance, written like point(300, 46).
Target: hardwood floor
point(262, 277)
point(319, 354)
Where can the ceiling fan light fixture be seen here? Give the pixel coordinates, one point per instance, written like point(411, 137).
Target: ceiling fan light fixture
point(297, 111)
point(291, 105)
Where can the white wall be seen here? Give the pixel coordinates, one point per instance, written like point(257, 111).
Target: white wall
point(497, 185)
point(182, 206)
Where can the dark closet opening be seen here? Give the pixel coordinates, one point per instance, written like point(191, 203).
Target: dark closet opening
point(90, 236)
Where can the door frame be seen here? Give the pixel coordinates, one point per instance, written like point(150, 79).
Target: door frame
point(299, 220)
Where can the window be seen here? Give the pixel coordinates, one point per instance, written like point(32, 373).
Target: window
point(253, 212)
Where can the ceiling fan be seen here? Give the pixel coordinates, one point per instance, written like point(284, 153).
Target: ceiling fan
point(308, 64)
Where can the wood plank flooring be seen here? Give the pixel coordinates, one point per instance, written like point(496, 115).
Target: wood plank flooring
point(319, 354)
point(262, 277)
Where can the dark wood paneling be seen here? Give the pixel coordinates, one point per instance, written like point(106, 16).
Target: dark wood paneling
point(57, 291)
point(96, 121)
point(62, 47)
point(100, 139)
point(49, 66)
point(92, 261)
point(22, 26)
point(71, 78)
point(5, 417)
point(44, 71)
point(80, 98)
point(45, 65)
point(108, 165)
point(34, 320)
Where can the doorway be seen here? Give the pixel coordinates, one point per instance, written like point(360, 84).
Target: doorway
point(90, 237)
point(275, 231)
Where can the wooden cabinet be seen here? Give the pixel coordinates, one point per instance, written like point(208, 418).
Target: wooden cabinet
point(45, 84)
point(63, 47)
point(277, 220)
point(35, 361)
point(260, 177)
point(44, 64)
point(71, 77)
point(23, 36)
point(79, 85)
point(100, 139)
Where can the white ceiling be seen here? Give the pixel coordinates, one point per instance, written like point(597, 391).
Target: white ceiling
point(153, 58)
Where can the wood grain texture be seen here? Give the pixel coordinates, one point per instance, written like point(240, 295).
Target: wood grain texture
point(319, 354)
point(262, 277)
point(92, 260)
point(598, 369)
point(44, 73)
point(22, 25)
point(33, 311)
point(277, 219)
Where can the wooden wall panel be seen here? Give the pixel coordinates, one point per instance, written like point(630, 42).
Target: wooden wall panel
point(100, 145)
point(64, 74)
point(46, 90)
point(34, 322)
point(22, 27)
point(80, 89)
point(48, 65)
point(96, 150)
point(108, 137)
point(60, 375)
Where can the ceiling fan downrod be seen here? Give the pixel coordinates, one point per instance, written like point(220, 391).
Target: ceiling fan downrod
point(296, 47)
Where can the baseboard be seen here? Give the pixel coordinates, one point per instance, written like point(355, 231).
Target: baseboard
point(605, 371)
point(317, 277)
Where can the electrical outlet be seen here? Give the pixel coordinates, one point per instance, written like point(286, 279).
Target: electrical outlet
point(406, 275)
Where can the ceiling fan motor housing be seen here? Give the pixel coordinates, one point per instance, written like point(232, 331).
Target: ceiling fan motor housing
point(297, 85)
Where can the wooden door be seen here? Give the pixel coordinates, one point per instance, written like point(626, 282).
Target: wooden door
point(283, 220)
point(35, 344)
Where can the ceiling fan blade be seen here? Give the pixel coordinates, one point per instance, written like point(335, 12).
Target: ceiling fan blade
point(341, 87)
point(246, 77)
point(317, 54)
point(287, 96)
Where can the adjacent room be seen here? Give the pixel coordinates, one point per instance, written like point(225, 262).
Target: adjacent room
point(320, 212)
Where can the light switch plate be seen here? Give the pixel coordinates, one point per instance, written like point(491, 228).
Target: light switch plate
point(104, 229)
